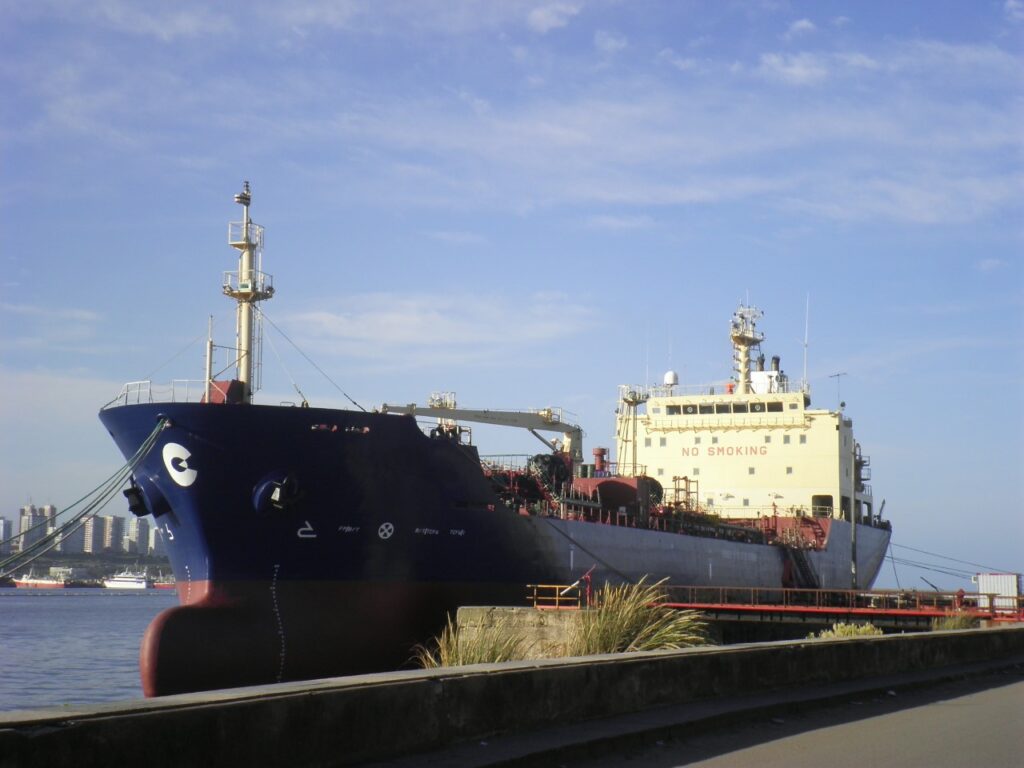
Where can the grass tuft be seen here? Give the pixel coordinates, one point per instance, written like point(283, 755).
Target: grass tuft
point(629, 617)
point(957, 620)
point(489, 645)
point(841, 629)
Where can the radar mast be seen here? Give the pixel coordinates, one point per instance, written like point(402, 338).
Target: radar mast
point(744, 334)
point(248, 286)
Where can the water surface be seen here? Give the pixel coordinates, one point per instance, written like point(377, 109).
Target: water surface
point(73, 646)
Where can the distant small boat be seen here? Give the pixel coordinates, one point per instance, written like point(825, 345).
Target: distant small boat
point(164, 582)
point(31, 581)
point(128, 580)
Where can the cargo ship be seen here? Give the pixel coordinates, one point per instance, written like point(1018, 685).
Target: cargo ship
point(312, 542)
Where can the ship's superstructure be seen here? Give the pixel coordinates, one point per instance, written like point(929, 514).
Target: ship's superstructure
point(749, 447)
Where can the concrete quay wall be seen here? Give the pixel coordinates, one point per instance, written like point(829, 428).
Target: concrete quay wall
point(373, 717)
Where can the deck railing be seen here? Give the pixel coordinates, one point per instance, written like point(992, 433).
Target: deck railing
point(176, 391)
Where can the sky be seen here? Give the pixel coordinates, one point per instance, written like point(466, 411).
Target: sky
point(530, 202)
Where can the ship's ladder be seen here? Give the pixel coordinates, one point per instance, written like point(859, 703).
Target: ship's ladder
point(806, 577)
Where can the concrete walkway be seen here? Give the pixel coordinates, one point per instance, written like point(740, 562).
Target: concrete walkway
point(970, 715)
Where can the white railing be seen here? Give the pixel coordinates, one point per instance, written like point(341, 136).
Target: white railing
point(177, 391)
point(260, 283)
point(645, 392)
point(236, 233)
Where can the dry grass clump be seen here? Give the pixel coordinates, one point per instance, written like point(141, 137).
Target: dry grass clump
point(841, 629)
point(487, 646)
point(630, 617)
point(957, 620)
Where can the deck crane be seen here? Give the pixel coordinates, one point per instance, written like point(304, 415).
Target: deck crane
point(442, 406)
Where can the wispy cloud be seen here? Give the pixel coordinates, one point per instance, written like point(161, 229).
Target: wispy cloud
point(1014, 10)
point(619, 223)
point(682, 63)
point(799, 28)
point(417, 330)
point(457, 238)
point(794, 69)
point(609, 44)
point(552, 16)
point(990, 265)
point(55, 313)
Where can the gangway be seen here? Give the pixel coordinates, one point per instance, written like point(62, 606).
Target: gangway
point(442, 406)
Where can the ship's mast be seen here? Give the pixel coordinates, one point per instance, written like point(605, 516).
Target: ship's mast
point(248, 286)
point(744, 335)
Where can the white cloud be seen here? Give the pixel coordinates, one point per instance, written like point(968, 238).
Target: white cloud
point(608, 43)
point(552, 16)
point(990, 265)
point(840, 21)
point(799, 28)
point(421, 330)
point(165, 23)
point(794, 69)
point(457, 237)
point(683, 64)
point(857, 61)
point(619, 223)
point(1014, 10)
point(51, 313)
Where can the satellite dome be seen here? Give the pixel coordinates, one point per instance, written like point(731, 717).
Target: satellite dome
point(671, 379)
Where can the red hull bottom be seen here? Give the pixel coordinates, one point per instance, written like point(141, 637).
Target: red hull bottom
point(258, 633)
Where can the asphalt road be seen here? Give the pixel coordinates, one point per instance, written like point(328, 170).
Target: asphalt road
point(977, 722)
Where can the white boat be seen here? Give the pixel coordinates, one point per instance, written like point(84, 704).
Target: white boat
point(128, 580)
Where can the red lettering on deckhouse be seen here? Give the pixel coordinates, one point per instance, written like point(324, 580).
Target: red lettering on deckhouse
point(739, 450)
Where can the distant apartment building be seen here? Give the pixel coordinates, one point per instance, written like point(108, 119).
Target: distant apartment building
point(6, 532)
point(33, 524)
point(136, 539)
point(103, 533)
point(113, 533)
point(156, 541)
point(73, 543)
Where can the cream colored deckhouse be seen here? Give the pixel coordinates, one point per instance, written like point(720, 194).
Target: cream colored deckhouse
point(745, 448)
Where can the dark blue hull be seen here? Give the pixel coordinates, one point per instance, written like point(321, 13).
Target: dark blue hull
point(311, 542)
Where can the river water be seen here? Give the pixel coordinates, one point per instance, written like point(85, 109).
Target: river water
point(73, 646)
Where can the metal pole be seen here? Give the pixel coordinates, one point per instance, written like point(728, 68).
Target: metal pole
point(853, 510)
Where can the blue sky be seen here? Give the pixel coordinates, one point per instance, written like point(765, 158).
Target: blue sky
point(529, 203)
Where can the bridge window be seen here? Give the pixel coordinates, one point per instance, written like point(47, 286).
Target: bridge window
point(706, 409)
point(656, 410)
point(774, 407)
point(689, 410)
point(756, 407)
point(722, 408)
point(739, 408)
point(792, 406)
point(673, 410)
